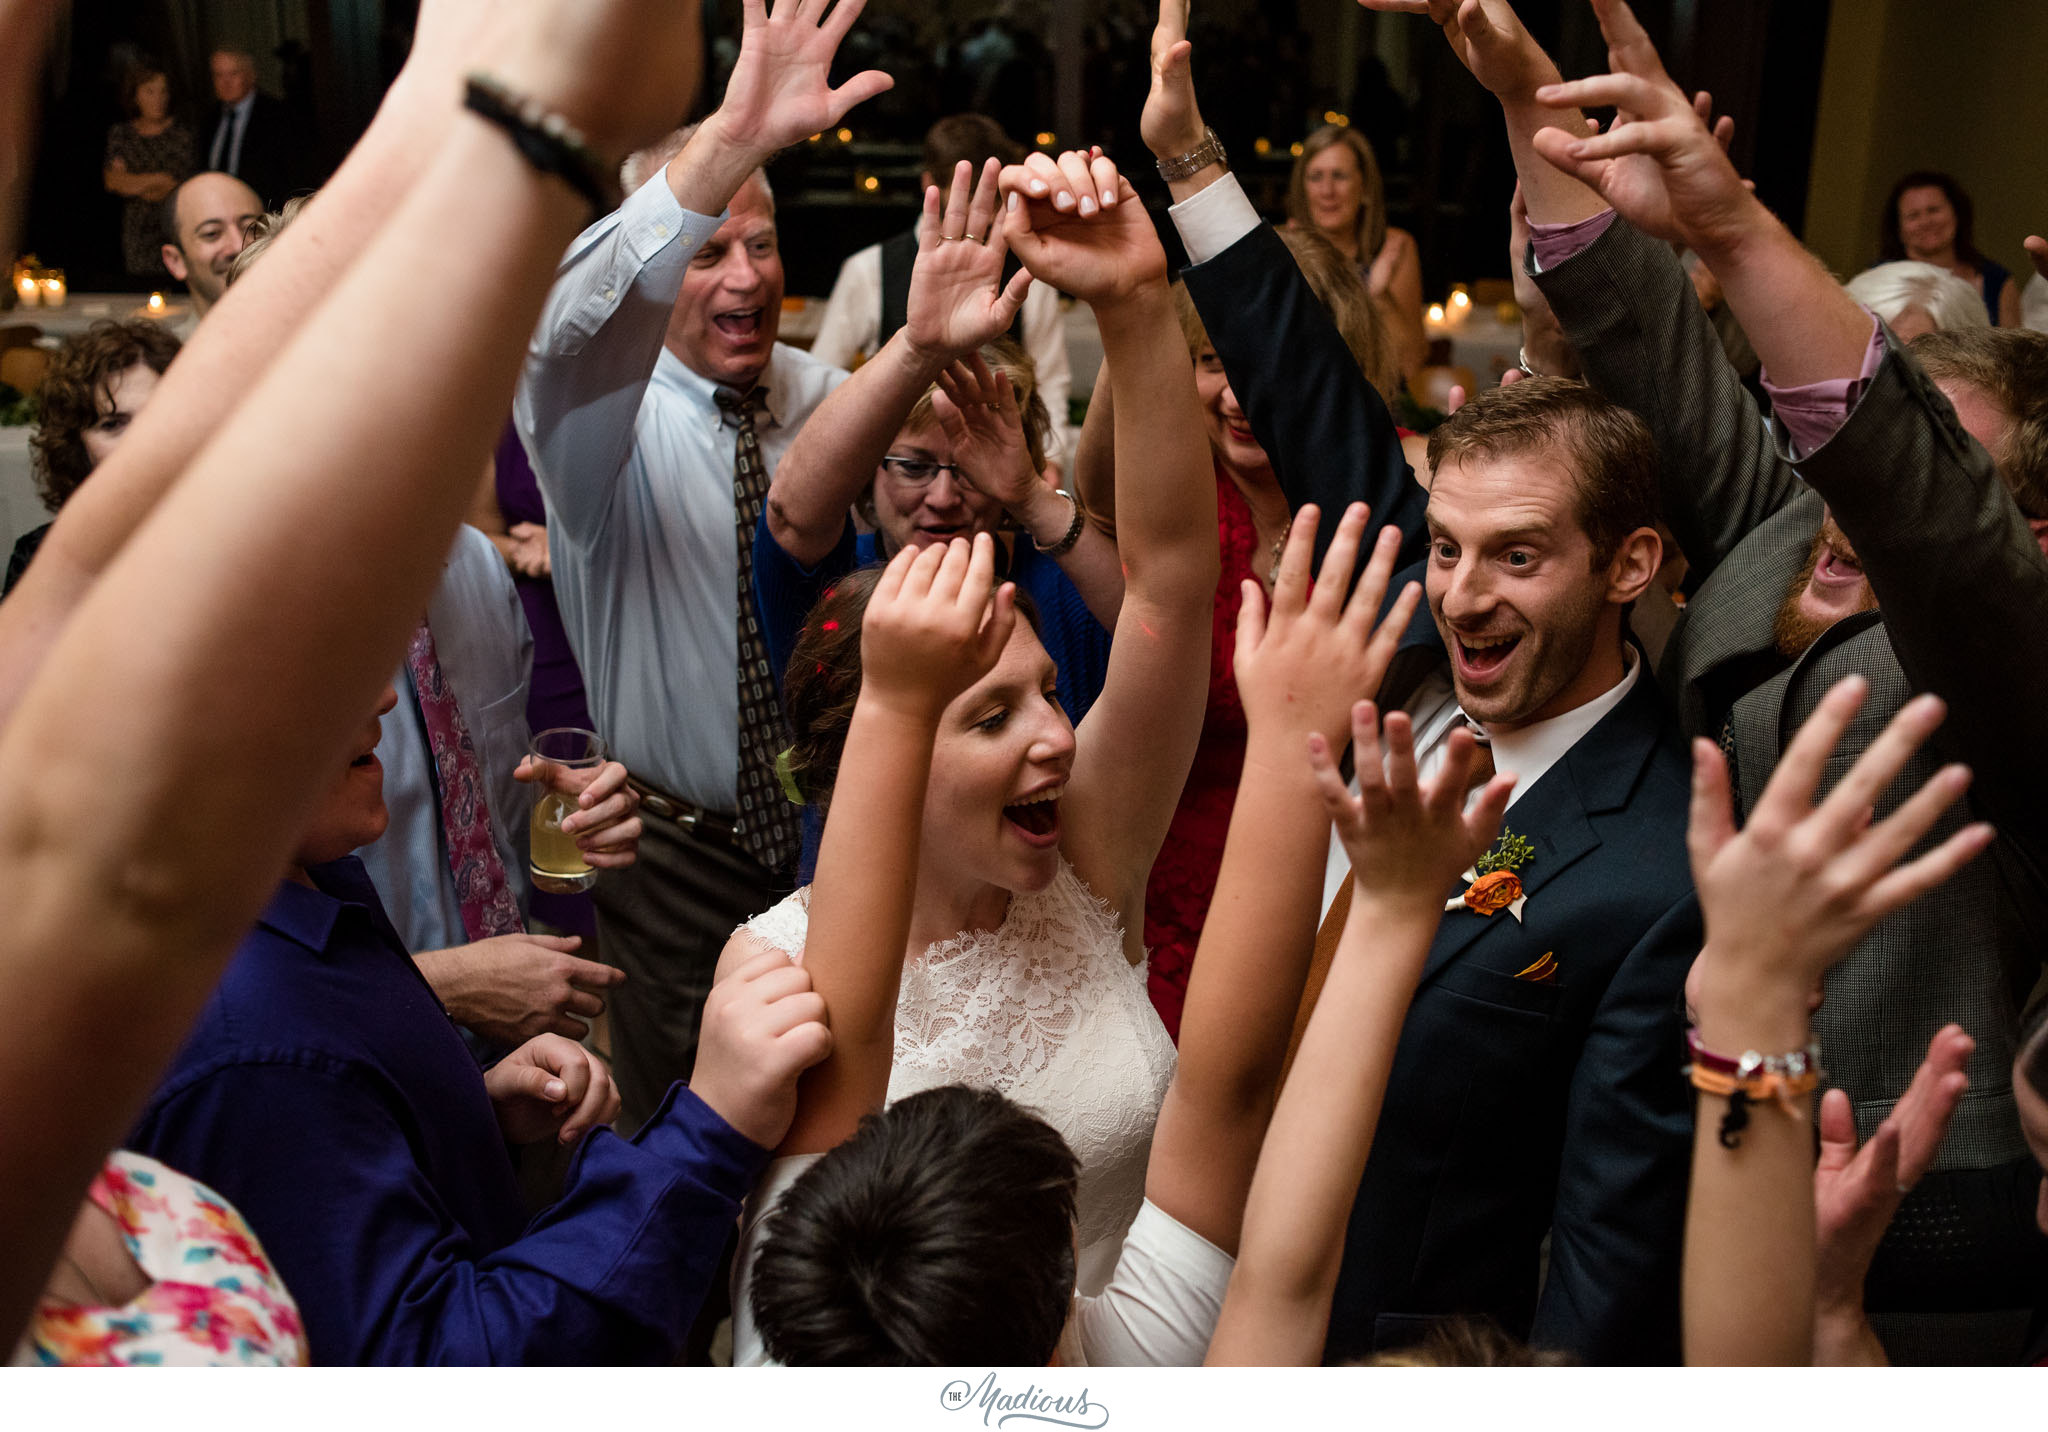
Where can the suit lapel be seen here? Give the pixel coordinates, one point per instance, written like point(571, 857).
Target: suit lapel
point(1594, 776)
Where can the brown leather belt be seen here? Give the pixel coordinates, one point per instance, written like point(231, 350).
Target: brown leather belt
point(693, 818)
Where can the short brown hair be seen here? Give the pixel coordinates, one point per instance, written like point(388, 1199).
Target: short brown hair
point(1607, 449)
point(1336, 283)
point(2009, 366)
point(1371, 225)
point(973, 137)
point(75, 390)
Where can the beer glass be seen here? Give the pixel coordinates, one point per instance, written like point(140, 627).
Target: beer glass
point(557, 864)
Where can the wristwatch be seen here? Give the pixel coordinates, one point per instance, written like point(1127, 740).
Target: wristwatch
point(1185, 166)
point(1066, 543)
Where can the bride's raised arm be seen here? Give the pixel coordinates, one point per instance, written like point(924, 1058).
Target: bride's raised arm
point(1077, 224)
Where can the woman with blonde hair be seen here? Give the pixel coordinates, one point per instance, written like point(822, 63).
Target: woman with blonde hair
point(1336, 191)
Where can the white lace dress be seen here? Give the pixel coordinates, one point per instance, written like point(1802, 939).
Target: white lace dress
point(1047, 1010)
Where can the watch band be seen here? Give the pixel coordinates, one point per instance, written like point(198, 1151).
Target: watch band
point(1066, 543)
point(1183, 166)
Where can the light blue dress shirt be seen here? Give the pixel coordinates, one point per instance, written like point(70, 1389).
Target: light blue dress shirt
point(636, 467)
point(486, 654)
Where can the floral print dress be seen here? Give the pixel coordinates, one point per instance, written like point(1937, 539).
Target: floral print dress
point(214, 1299)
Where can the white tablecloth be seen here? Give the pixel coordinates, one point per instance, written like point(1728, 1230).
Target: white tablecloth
point(84, 309)
point(20, 508)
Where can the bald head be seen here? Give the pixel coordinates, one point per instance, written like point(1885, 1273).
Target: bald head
point(206, 222)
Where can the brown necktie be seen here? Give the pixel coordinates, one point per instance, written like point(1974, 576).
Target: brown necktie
point(766, 824)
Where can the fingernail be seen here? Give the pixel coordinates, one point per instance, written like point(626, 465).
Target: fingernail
point(1108, 197)
point(1064, 202)
point(1038, 188)
point(556, 1089)
point(1087, 206)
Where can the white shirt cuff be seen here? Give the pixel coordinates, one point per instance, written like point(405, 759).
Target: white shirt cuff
point(652, 219)
point(1214, 219)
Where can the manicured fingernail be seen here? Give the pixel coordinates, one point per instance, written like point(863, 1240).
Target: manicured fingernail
point(556, 1089)
point(1087, 206)
point(1038, 188)
point(1064, 202)
point(1108, 197)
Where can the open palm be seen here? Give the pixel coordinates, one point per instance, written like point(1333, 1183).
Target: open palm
point(780, 90)
point(957, 298)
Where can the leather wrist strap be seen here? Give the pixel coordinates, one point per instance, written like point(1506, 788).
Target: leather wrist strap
point(544, 139)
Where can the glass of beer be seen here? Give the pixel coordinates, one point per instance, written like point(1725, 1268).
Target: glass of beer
point(557, 865)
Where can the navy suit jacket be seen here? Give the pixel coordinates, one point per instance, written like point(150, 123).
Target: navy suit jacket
point(1514, 1108)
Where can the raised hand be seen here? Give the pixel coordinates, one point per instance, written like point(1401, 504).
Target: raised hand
point(1658, 164)
point(763, 1026)
point(930, 630)
point(780, 91)
point(1302, 662)
point(1542, 335)
point(958, 300)
point(1077, 225)
point(1856, 1192)
point(1489, 40)
point(1171, 123)
point(550, 1085)
point(1787, 896)
point(622, 71)
point(977, 410)
point(1408, 840)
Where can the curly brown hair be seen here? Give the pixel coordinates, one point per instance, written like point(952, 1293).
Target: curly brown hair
point(822, 683)
point(75, 395)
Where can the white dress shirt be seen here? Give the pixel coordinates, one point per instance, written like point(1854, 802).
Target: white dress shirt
point(1525, 753)
point(636, 465)
point(486, 654)
point(852, 330)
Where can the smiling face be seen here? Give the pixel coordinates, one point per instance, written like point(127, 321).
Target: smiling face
point(121, 400)
point(1230, 432)
point(1532, 624)
point(215, 214)
point(1927, 223)
point(730, 306)
point(1002, 758)
point(914, 514)
point(353, 813)
point(1335, 190)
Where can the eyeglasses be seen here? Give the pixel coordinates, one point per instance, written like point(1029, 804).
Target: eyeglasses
point(920, 471)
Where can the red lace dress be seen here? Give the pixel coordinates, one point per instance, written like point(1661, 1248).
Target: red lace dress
point(1184, 877)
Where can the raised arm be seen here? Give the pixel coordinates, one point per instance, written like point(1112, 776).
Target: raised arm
point(1328, 433)
point(929, 631)
point(1784, 900)
point(957, 303)
point(1077, 224)
point(603, 328)
point(1299, 670)
point(218, 696)
point(1407, 843)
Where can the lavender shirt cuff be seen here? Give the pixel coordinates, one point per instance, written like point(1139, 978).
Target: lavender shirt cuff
point(1811, 413)
point(1554, 243)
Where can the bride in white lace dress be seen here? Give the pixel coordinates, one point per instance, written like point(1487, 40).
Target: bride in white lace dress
point(1024, 969)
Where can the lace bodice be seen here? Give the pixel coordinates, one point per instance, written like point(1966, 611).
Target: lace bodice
point(1047, 1010)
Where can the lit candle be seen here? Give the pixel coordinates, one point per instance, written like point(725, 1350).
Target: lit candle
point(53, 290)
point(1460, 306)
point(1433, 320)
point(156, 305)
point(28, 290)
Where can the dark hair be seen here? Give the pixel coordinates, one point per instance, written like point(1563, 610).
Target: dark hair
point(1607, 449)
point(2009, 366)
point(822, 682)
point(1465, 1341)
point(1892, 243)
point(134, 78)
point(2033, 1047)
point(973, 137)
point(940, 1234)
point(75, 390)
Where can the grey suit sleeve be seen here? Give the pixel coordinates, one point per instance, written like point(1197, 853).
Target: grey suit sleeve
point(1627, 306)
point(1956, 569)
point(1618, 1231)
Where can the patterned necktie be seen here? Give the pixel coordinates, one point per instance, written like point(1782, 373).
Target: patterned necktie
point(481, 886)
point(766, 824)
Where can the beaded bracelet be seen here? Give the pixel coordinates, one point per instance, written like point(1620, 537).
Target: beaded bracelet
point(1752, 1078)
point(544, 139)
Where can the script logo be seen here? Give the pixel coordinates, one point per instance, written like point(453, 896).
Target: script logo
point(999, 1408)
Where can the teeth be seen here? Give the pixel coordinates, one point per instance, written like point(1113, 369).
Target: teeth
point(1471, 645)
point(1052, 794)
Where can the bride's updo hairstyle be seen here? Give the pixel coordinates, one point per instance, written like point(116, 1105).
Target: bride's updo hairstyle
point(940, 1235)
point(822, 682)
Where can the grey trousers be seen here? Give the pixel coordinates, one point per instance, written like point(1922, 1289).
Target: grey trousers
point(664, 921)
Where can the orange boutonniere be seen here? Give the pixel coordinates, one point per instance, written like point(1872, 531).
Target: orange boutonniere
point(1494, 885)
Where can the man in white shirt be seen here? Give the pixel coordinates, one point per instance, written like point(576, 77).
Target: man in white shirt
point(655, 405)
point(868, 297)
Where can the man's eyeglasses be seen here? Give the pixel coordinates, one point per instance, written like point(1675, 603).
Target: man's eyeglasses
point(920, 471)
